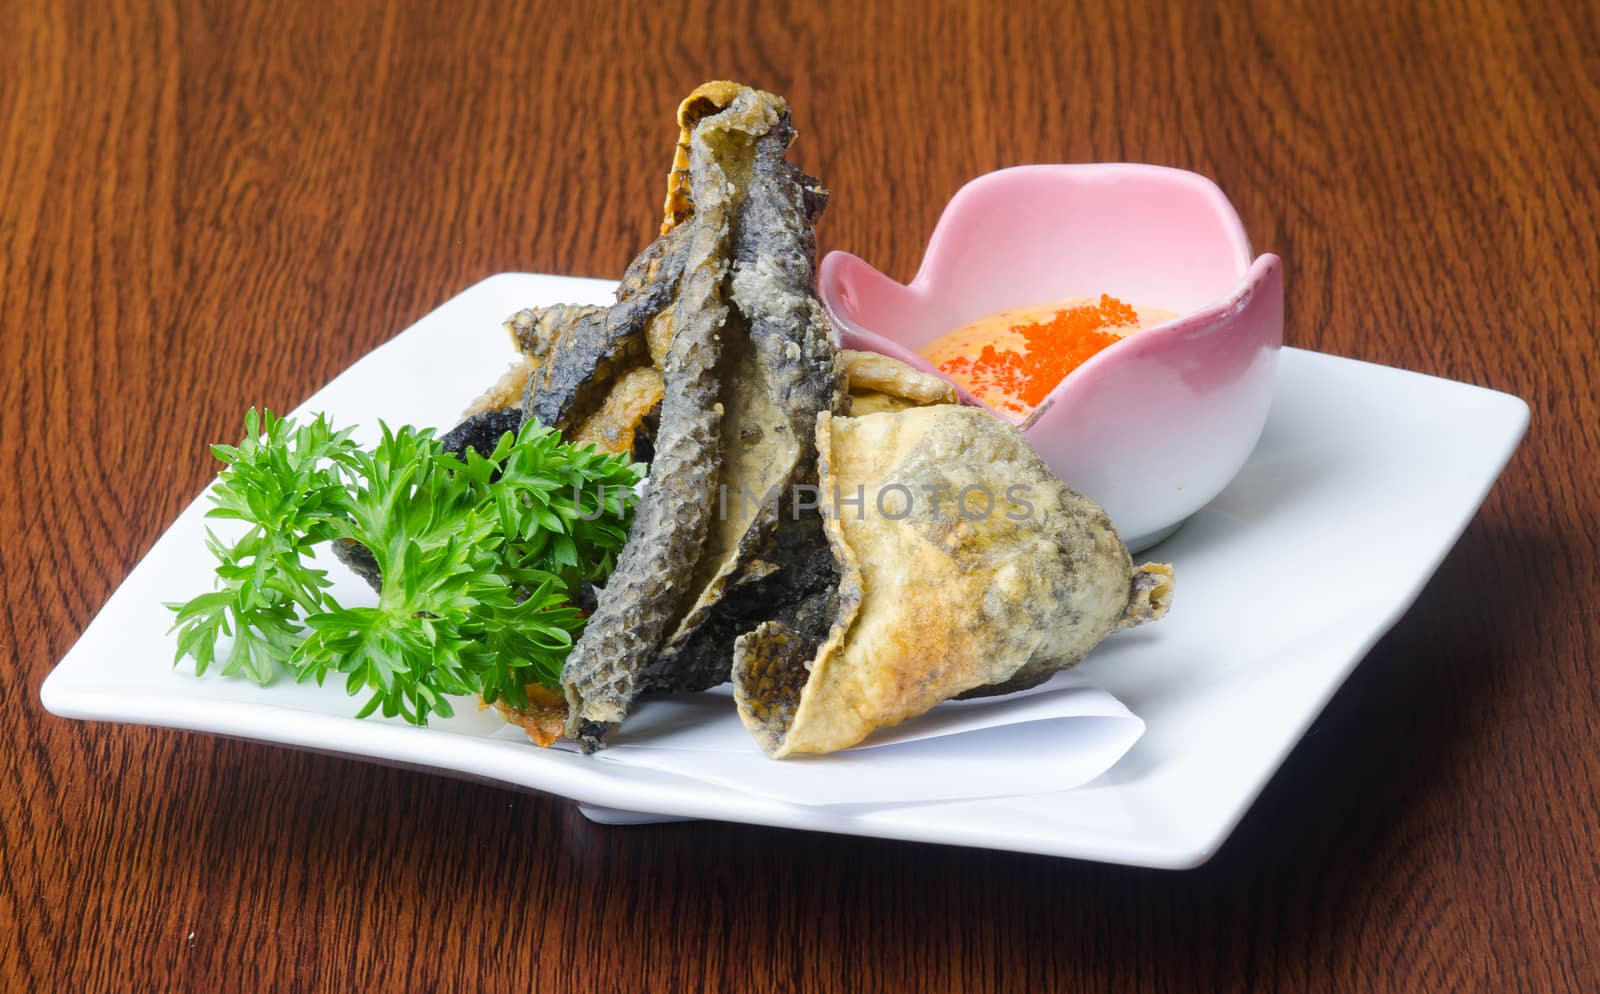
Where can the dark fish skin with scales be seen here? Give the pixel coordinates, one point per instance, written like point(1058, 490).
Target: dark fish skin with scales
point(794, 368)
point(481, 432)
point(778, 371)
point(644, 592)
point(597, 344)
point(800, 592)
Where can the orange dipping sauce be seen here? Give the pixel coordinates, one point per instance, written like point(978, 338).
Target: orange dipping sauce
point(1011, 360)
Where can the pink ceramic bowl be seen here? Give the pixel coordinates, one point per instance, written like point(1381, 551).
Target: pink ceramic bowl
point(1152, 427)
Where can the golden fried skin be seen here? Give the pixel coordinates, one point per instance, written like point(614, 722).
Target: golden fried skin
point(1009, 572)
point(873, 372)
point(632, 397)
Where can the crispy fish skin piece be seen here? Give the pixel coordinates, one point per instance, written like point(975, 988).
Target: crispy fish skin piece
point(544, 718)
point(878, 382)
point(614, 427)
point(481, 432)
point(644, 593)
point(873, 372)
point(360, 561)
point(680, 203)
point(535, 330)
point(582, 362)
point(779, 373)
point(935, 598)
point(873, 402)
point(1149, 597)
point(793, 582)
point(612, 408)
point(579, 350)
point(505, 392)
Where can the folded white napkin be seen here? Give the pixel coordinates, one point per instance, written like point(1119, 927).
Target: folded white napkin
point(1059, 735)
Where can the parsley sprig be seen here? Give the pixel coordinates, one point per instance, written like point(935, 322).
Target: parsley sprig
point(478, 559)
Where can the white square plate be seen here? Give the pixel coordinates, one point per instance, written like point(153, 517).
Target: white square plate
point(1363, 479)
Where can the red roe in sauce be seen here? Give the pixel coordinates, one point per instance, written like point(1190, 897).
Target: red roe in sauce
point(1013, 359)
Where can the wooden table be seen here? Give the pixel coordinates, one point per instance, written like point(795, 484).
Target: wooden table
point(203, 209)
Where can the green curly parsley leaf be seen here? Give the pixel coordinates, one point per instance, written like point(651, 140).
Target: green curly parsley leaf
point(284, 482)
point(562, 509)
point(477, 557)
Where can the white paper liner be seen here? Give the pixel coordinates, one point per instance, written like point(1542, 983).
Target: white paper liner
point(1057, 736)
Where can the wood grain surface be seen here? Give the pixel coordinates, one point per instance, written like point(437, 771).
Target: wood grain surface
point(205, 206)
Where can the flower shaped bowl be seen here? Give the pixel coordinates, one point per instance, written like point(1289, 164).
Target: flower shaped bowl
point(1152, 427)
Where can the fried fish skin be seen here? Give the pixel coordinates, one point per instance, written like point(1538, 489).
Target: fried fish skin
point(507, 391)
point(587, 353)
point(792, 581)
point(779, 373)
point(615, 424)
point(544, 718)
point(535, 330)
point(939, 601)
point(644, 594)
point(875, 373)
